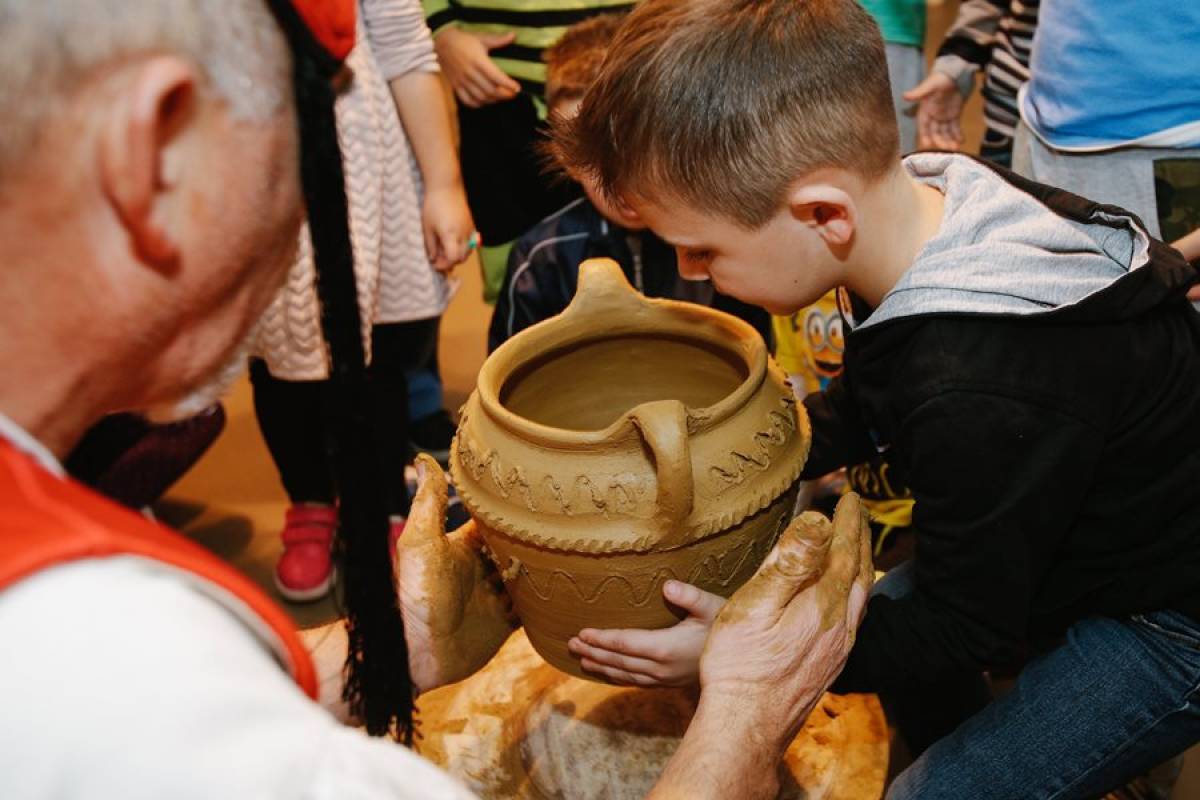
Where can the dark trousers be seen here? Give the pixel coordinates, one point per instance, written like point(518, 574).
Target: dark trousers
point(924, 715)
point(135, 462)
point(505, 177)
point(292, 416)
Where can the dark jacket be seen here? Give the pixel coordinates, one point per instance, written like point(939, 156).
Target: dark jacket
point(543, 269)
point(1054, 459)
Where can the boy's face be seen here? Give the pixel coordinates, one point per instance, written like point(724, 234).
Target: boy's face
point(782, 266)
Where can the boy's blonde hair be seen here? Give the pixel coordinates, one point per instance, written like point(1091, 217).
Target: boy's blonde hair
point(573, 62)
point(723, 104)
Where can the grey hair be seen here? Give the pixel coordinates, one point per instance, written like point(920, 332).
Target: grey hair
point(52, 46)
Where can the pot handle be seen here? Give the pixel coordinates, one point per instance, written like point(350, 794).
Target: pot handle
point(603, 290)
point(663, 427)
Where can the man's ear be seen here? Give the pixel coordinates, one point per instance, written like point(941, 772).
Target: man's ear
point(144, 122)
point(827, 209)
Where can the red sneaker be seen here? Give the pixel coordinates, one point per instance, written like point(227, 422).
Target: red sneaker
point(397, 528)
point(305, 570)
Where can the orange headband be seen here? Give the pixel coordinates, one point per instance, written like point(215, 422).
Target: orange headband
point(331, 23)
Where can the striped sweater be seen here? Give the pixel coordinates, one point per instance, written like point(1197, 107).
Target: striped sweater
point(537, 23)
point(996, 36)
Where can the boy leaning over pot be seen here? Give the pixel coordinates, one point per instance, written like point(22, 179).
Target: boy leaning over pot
point(1056, 511)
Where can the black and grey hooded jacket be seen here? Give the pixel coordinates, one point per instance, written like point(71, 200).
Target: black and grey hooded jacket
point(1035, 377)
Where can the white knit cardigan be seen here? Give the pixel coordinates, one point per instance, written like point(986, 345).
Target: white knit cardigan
point(396, 282)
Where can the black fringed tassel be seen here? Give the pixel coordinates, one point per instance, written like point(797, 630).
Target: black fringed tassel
point(378, 685)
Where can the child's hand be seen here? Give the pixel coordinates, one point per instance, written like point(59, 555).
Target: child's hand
point(466, 63)
point(666, 657)
point(939, 107)
point(448, 226)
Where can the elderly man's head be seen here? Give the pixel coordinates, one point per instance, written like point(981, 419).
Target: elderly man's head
point(149, 190)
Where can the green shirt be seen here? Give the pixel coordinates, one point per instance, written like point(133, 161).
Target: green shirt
point(902, 21)
point(537, 23)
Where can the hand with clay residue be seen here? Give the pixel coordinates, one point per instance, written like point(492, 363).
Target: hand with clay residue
point(773, 649)
point(456, 613)
point(785, 635)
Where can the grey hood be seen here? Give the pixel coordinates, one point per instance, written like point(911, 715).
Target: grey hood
point(1001, 251)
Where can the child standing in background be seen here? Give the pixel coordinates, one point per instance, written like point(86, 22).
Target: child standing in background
point(902, 24)
point(491, 53)
point(409, 225)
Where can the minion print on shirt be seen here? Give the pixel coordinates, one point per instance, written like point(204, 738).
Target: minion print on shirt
point(810, 343)
point(809, 346)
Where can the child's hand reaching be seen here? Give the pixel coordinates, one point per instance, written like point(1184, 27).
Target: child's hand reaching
point(448, 226)
point(665, 657)
point(939, 110)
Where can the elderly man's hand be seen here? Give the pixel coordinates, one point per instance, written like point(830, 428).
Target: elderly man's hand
point(784, 636)
point(774, 648)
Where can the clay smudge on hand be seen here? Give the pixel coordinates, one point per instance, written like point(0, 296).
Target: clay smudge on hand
point(456, 613)
point(799, 558)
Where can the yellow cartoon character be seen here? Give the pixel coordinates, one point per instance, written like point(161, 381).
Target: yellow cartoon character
point(824, 337)
point(809, 344)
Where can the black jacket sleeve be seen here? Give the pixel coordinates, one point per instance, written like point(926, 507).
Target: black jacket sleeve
point(997, 482)
point(839, 437)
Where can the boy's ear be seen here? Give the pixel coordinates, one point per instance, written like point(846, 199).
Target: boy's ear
point(827, 209)
point(137, 166)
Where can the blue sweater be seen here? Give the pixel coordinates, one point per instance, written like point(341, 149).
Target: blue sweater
point(1113, 72)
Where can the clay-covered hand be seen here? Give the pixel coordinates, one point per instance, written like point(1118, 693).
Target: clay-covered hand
point(785, 635)
point(466, 63)
point(455, 611)
point(447, 225)
point(939, 108)
point(666, 657)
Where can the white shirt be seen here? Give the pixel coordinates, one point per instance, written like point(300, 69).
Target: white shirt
point(123, 681)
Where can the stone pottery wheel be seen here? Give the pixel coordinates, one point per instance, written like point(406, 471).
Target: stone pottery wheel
point(521, 729)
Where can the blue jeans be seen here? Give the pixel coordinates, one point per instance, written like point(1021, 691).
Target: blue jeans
point(1116, 698)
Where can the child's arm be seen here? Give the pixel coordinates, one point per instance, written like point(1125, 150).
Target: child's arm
point(839, 437)
point(445, 216)
point(941, 96)
point(401, 43)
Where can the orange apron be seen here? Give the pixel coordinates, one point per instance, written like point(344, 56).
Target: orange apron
point(46, 520)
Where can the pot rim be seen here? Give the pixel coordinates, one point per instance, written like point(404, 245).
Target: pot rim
point(661, 318)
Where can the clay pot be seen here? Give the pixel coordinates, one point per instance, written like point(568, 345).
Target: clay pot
point(622, 443)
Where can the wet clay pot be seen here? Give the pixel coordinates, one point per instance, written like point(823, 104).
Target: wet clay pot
point(622, 443)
